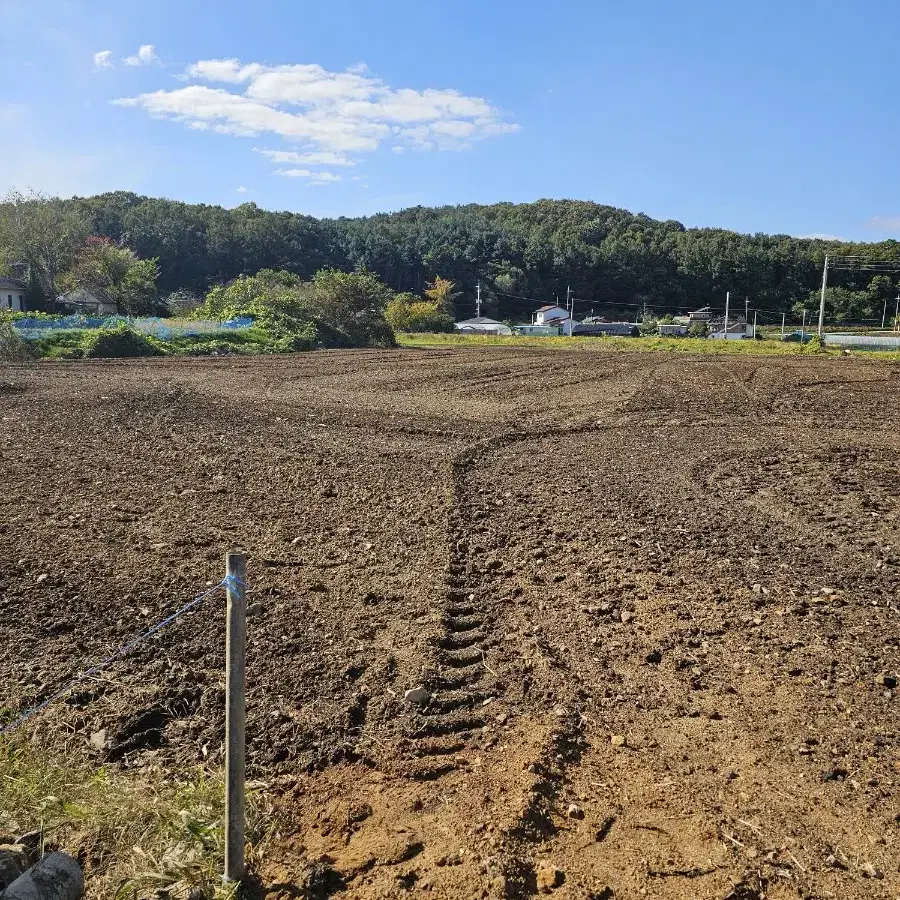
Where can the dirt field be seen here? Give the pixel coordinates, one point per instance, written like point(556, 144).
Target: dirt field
point(653, 602)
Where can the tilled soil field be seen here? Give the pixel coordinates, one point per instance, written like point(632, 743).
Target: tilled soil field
point(652, 602)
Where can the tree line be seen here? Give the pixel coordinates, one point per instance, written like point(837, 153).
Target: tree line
point(615, 262)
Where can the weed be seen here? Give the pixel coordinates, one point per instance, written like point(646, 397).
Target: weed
point(138, 834)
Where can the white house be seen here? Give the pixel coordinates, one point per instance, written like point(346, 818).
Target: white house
point(551, 315)
point(483, 325)
point(737, 329)
point(673, 330)
point(82, 301)
point(12, 294)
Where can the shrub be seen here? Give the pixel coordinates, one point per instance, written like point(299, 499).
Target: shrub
point(405, 313)
point(13, 347)
point(119, 342)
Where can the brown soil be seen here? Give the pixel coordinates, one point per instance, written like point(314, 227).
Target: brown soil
point(653, 599)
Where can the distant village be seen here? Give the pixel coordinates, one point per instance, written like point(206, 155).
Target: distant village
point(554, 321)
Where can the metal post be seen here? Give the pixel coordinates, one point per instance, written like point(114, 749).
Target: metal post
point(235, 653)
point(803, 329)
point(897, 314)
point(755, 314)
point(884, 314)
point(727, 307)
point(822, 303)
point(478, 302)
point(782, 324)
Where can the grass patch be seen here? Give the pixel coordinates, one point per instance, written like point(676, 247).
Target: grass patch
point(136, 834)
point(631, 344)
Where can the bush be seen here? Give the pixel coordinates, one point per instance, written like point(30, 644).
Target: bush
point(13, 347)
point(406, 313)
point(118, 343)
point(698, 330)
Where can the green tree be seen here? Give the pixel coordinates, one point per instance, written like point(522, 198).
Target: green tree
point(41, 234)
point(114, 274)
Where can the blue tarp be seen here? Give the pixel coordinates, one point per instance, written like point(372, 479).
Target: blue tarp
point(164, 329)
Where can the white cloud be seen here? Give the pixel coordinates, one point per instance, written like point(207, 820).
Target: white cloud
point(103, 59)
point(226, 70)
point(315, 178)
point(328, 116)
point(240, 189)
point(146, 54)
point(317, 158)
point(885, 223)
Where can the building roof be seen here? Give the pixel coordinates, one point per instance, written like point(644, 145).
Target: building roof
point(479, 320)
point(11, 284)
point(551, 306)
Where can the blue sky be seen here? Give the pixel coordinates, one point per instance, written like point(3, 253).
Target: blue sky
point(763, 116)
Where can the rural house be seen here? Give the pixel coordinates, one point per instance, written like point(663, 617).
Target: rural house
point(483, 325)
point(12, 294)
point(86, 303)
point(551, 315)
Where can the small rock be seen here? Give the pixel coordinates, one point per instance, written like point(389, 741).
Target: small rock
point(869, 871)
point(618, 740)
point(254, 609)
point(417, 695)
point(885, 680)
point(626, 617)
point(98, 739)
point(575, 811)
point(13, 862)
point(834, 862)
point(297, 540)
point(548, 878)
point(42, 577)
point(560, 712)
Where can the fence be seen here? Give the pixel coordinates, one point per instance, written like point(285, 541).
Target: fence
point(863, 341)
point(235, 584)
point(164, 329)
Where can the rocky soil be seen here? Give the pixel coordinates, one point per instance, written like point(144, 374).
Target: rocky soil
point(576, 624)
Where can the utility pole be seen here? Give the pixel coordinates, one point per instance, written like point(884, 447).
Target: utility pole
point(727, 307)
point(746, 312)
point(478, 301)
point(782, 324)
point(755, 314)
point(803, 328)
point(572, 318)
point(897, 314)
point(822, 303)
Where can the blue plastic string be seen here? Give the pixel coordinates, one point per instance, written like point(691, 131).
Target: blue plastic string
point(230, 582)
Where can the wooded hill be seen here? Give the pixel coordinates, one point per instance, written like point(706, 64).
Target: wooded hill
point(613, 259)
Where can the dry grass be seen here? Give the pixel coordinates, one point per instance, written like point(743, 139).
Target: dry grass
point(137, 834)
point(632, 344)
